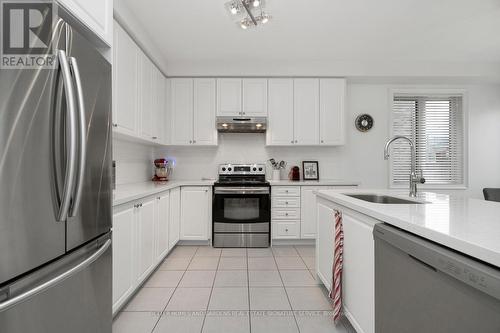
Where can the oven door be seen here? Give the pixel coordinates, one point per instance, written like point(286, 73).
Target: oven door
point(241, 206)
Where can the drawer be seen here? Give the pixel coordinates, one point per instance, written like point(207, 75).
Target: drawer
point(285, 213)
point(286, 230)
point(286, 191)
point(285, 202)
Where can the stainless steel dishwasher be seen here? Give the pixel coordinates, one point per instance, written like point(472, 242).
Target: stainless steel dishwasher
point(423, 287)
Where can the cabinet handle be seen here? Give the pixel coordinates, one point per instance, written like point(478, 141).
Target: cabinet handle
point(286, 229)
point(154, 137)
point(286, 202)
point(190, 141)
point(194, 141)
point(322, 141)
point(295, 141)
point(291, 141)
point(286, 214)
point(115, 125)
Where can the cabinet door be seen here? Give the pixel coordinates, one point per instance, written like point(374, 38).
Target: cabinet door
point(204, 130)
point(358, 284)
point(325, 244)
point(181, 111)
point(125, 78)
point(146, 230)
point(308, 213)
point(195, 213)
point(158, 120)
point(280, 128)
point(175, 217)
point(162, 220)
point(123, 255)
point(146, 97)
point(97, 15)
point(306, 111)
point(229, 97)
point(255, 97)
point(332, 111)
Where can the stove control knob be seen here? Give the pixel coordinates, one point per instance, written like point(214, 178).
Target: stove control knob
point(254, 169)
point(229, 169)
point(223, 168)
point(260, 169)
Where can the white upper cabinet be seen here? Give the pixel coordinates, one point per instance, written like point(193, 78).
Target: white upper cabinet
point(306, 111)
point(181, 111)
point(146, 97)
point(332, 111)
point(280, 108)
point(159, 100)
point(204, 130)
point(255, 97)
point(192, 112)
point(97, 15)
point(125, 83)
point(229, 97)
point(242, 97)
point(195, 212)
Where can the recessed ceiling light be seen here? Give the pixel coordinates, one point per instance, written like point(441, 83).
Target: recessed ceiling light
point(224, 125)
point(234, 10)
point(258, 125)
point(256, 3)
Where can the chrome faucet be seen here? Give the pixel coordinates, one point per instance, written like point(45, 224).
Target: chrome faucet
point(414, 179)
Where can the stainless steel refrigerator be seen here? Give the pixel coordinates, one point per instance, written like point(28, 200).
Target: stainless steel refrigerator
point(55, 192)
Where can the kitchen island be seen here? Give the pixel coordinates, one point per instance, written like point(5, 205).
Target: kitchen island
point(467, 226)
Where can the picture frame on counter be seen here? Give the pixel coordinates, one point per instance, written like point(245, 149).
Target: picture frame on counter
point(310, 170)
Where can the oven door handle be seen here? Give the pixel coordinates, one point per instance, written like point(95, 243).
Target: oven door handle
point(241, 190)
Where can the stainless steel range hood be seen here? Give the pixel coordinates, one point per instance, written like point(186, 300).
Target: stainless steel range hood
point(241, 124)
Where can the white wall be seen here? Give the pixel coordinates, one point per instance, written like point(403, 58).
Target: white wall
point(134, 162)
point(362, 157)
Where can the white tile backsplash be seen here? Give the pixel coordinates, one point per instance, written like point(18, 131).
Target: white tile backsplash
point(134, 162)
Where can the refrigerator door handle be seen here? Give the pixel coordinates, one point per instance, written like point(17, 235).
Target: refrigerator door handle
point(69, 180)
point(56, 280)
point(82, 137)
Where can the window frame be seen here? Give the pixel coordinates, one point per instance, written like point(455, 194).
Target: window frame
point(434, 91)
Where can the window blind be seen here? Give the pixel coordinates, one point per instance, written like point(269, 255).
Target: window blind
point(435, 124)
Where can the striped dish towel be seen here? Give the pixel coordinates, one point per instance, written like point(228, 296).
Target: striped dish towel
point(336, 292)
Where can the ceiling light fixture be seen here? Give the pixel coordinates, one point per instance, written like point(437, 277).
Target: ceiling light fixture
point(249, 13)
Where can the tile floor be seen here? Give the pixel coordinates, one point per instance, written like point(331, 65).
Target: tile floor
point(202, 289)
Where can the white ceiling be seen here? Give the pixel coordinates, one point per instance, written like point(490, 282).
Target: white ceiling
point(349, 37)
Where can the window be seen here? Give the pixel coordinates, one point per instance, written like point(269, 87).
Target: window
point(435, 123)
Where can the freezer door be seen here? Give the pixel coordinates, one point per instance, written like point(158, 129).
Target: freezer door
point(90, 213)
point(80, 303)
point(29, 233)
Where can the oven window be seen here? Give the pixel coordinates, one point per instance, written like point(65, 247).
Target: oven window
point(241, 208)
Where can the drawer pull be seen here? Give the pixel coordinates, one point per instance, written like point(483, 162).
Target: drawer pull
point(286, 229)
point(286, 214)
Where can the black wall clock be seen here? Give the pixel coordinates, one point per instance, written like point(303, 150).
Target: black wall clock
point(364, 122)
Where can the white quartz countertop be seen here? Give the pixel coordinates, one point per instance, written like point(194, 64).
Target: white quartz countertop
point(134, 191)
point(322, 182)
point(470, 226)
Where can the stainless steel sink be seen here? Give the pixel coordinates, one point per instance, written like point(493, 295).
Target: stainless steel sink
point(382, 199)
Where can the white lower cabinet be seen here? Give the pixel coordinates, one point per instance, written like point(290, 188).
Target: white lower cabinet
point(123, 255)
point(162, 225)
point(359, 271)
point(195, 212)
point(146, 231)
point(294, 210)
point(174, 223)
point(358, 279)
point(141, 239)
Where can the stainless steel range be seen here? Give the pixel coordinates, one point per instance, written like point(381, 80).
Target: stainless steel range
point(241, 206)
